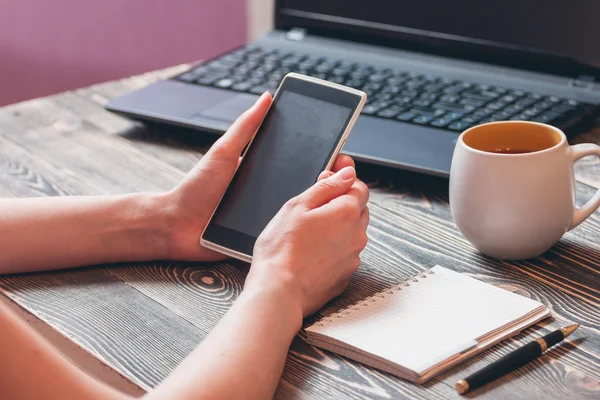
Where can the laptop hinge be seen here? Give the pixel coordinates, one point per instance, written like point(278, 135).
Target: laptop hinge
point(296, 34)
point(583, 82)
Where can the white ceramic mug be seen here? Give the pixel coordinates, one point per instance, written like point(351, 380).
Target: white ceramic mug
point(512, 204)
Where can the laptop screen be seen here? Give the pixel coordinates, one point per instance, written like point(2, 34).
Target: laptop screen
point(568, 29)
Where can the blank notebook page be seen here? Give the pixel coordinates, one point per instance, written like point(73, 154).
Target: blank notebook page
point(427, 322)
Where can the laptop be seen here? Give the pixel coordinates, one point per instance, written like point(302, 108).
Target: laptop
point(431, 68)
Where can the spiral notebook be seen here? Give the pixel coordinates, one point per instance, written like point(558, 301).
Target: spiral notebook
point(426, 325)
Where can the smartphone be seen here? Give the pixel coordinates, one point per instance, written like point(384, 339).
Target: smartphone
point(300, 136)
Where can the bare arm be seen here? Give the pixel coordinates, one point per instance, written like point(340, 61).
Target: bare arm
point(243, 357)
point(61, 232)
point(303, 258)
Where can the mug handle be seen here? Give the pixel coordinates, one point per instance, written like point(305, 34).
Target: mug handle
point(580, 214)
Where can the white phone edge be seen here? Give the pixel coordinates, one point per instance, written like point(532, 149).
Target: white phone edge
point(363, 98)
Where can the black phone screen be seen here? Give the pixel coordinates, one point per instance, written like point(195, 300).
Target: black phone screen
point(291, 148)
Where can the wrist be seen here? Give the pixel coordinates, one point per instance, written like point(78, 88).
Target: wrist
point(280, 291)
point(146, 221)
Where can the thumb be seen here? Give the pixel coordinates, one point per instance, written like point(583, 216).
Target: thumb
point(329, 188)
point(230, 145)
point(324, 175)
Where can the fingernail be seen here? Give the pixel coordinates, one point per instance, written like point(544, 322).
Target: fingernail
point(346, 173)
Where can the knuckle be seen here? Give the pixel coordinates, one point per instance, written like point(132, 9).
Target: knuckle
point(223, 149)
point(350, 210)
point(341, 288)
point(363, 188)
point(294, 202)
point(363, 240)
point(356, 264)
point(326, 185)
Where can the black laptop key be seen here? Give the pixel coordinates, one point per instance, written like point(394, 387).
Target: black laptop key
point(433, 87)
point(383, 96)
point(470, 120)
point(374, 86)
point(406, 116)
point(476, 96)
point(401, 101)
point(458, 108)
point(188, 77)
point(495, 106)
point(520, 117)
point(390, 112)
point(336, 79)
point(209, 79)
point(224, 83)
point(422, 119)
point(370, 109)
point(513, 109)
point(562, 108)
point(482, 113)
point(453, 89)
point(377, 77)
point(532, 112)
point(422, 103)
point(426, 111)
point(450, 98)
point(547, 117)
point(502, 115)
point(354, 83)
point(392, 89)
point(262, 89)
point(440, 122)
point(526, 102)
point(319, 75)
point(409, 93)
point(242, 87)
point(414, 84)
point(459, 126)
point(323, 68)
point(340, 72)
point(472, 102)
point(428, 96)
point(543, 105)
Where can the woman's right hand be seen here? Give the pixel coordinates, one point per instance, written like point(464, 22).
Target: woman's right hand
point(312, 246)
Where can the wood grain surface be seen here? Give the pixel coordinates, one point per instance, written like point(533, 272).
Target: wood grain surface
point(142, 319)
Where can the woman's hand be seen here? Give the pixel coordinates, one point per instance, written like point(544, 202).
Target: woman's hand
point(312, 246)
point(189, 206)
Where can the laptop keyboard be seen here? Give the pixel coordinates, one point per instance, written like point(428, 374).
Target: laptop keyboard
point(393, 94)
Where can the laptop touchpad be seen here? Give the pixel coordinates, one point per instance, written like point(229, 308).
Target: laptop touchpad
point(227, 110)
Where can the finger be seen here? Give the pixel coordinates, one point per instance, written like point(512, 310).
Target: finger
point(342, 162)
point(350, 266)
point(242, 130)
point(365, 217)
point(340, 287)
point(353, 201)
point(328, 189)
point(360, 191)
point(324, 175)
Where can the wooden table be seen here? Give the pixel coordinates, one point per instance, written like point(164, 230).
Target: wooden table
point(141, 320)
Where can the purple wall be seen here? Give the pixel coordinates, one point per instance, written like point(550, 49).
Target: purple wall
point(51, 46)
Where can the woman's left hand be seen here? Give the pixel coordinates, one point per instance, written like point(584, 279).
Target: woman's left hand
point(190, 205)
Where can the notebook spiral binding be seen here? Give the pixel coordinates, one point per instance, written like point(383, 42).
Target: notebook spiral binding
point(374, 298)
